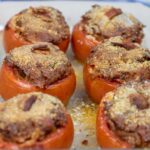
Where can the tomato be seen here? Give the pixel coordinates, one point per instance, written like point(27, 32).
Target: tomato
point(11, 85)
point(81, 43)
point(61, 138)
point(96, 88)
point(105, 137)
point(13, 40)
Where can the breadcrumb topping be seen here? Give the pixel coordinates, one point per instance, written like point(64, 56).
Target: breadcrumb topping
point(42, 64)
point(119, 60)
point(30, 117)
point(128, 112)
point(104, 22)
point(40, 24)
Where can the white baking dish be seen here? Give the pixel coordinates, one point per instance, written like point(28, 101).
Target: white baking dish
point(82, 110)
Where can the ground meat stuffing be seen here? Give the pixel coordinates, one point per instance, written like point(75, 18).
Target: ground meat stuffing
point(120, 61)
point(40, 24)
point(28, 118)
point(41, 64)
point(103, 22)
point(128, 113)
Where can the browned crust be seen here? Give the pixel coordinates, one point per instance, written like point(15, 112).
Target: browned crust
point(41, 64)
point(40, 24)
point(119, 60)
point(30, 126)
point(107, 21)
point(128, 113)
point(113, 12)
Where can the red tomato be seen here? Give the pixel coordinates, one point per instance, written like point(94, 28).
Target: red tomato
point(62, 138)
point(13, 40)
point(105, 137)
point(11, 85)
point(96, 88)
point(81, 44)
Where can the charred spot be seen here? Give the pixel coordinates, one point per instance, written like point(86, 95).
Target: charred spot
point(95, 6)
point(85, 142)
point(42, 49)
point(29, 102)
point(41, 11)
point(147, 55)
point(126, 45)
point(19, 71)
point(19, 23)
point(113, 13)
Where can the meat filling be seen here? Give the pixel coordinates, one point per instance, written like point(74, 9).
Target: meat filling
point(41, 24)
point(128, 113)
point(41, 64)
point(120, 61)
point(30, 118)
point(103, 22)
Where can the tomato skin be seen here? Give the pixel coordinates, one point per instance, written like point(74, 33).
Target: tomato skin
point(81, 44)
point(63, 45)
point(11, 86)
point(105, 137)
point(12, 40)
point(61, 139)
point(96, 88)
point(65, 138)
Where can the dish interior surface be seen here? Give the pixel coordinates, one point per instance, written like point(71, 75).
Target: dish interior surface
point(83, 111)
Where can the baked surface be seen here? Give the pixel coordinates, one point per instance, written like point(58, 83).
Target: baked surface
point(30, 117)
point(128, 113)
point(40, 24)
point(41, 64)
point(103, 22)
point(119, 60)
